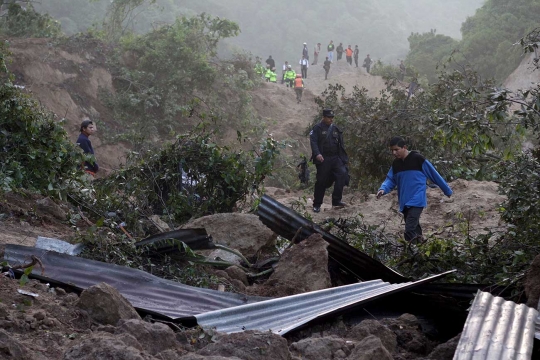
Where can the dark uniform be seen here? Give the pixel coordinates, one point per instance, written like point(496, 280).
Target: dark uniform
point(327, 140)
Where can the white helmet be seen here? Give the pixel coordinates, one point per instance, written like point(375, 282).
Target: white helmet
point(289, 66)
point(305, 43)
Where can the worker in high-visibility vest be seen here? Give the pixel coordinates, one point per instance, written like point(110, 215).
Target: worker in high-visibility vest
point(298, 87)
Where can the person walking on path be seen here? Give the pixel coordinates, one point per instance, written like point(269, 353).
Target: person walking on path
point(348, 54)
point(304, 64)
point(409, 173)
point(283, 71)
point(305, 51)
point(326, 68)
point(270, 62)
point(298, 87)
point(330, 49)
point(367, 63)
point(87, 129)
point(316, 52)
point(355, 54)
point(329, 156)
point(290, 75)
point(339, 51)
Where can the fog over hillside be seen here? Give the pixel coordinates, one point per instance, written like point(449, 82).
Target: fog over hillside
point(279, 27)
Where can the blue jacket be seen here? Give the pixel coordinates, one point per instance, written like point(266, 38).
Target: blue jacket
point(84, 142)
point(410, 176)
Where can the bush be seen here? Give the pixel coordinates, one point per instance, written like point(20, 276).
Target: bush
point(36, 151)
point(26, 22)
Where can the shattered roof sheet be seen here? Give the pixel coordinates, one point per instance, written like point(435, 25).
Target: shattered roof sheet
point(497, 329)
point(289, 224)
point(143, 290)
point(287, 313)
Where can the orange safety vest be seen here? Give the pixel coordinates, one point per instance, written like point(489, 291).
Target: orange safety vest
point(349, 52)
point(298, 83)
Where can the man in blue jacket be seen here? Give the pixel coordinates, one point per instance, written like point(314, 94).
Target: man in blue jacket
point(409, 173)
point(87, 129)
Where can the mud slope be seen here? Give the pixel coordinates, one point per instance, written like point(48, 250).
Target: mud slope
point(67, 80)
point(525, 76)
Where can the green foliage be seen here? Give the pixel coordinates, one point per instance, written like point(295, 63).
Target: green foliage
point(487, 40)
point(191, 177)
point(25, 276)
point(167, 76)
point(37, 153)
point(453, 123)
point(428, 50)
point(26, 22)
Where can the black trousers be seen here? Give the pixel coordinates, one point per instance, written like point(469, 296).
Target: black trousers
point(412, 222)
point(304, 71)
point(331, 170)
point(356, 61)
point(349, 59)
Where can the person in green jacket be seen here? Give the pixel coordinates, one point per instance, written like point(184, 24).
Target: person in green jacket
point(290, 75)
point(267, 73)
point(273, 75)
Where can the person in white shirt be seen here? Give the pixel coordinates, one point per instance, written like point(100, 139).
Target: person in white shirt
point(304, 64)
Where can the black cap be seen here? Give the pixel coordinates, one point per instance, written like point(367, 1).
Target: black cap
point(328, 113)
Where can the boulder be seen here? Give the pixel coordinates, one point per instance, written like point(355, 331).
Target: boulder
point(445, 351)
point(235, 272)
point(304, 266)
point(243, 232)
point(154, 338)
point(105, 305)
point(330, 347)
point(47, 206)
point(11, 348)
point(409, 334)
point(251, 345)
point(370, 348)
point(374, 327)
point(106, 346)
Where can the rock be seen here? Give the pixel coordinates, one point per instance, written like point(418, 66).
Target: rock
point(236, 273)
point(47, 206)
point(532, 283)
point(304, 266)
point(374, 327)
point(11, 348)
point(370, 348)
point(409, 334)
point(4, 310)
point(170, 354)
point(329, 347)
point(154, 338)
point(105, 346)
point(445, 351)
point(160, 224)
point(239, 231)
point(40, 315)
point(222, 255)
point(238, 285)
point(200, 357)
point(251, 345)
point(60, 292)
point(106, 305)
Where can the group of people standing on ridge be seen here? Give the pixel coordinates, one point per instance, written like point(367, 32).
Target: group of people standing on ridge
point(295, 80)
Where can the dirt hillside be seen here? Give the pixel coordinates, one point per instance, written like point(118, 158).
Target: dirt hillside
point(525, 76)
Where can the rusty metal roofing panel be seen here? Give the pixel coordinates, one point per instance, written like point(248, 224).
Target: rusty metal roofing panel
point(288, 223)
point(287, 313)
point(497, 330)
point(143, 290)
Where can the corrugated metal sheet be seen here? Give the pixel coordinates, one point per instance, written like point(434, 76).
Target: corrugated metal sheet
point(196, 239)
point(143, 290)
point(497, 330)
point(285, 314)
point(286, 222)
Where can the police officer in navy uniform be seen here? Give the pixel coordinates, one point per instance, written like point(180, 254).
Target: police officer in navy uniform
point(330, 158)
